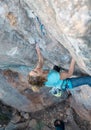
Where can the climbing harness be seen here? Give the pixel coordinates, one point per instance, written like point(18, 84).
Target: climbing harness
point(60, 92)
point(56, 92)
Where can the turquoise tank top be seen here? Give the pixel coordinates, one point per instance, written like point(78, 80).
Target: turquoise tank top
point(53, 80)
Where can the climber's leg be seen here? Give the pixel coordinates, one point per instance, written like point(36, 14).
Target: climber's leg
point(85, 80)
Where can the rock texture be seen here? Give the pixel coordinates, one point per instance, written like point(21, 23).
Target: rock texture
point(69, 22)
point(18, 93)
point(63, 30)
point(53, 24)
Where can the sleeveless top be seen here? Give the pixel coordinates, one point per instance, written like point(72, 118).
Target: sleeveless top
point(53, 80)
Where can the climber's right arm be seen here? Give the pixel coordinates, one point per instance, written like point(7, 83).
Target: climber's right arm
point(40, 58)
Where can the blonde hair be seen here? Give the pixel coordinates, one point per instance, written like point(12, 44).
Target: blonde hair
point(38, 80)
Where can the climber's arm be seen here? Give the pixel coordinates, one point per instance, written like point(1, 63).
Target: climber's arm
point(68, 74)
point(40, 58)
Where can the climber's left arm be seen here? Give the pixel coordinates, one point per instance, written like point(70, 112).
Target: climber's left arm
point(68, 74)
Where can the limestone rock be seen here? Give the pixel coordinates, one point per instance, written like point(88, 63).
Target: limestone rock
point(32, 123)
point(54, 25)
point(69, 22)
point(81, 102)
point(62, 29)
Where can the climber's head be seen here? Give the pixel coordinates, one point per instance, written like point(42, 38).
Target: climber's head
point(37, 77)
point(36, 80)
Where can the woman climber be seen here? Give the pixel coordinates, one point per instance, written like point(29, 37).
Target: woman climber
point(58, 81)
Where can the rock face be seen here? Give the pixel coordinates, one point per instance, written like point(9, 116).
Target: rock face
point(63, 30)
point(58, 26)
point(69, 22)
point(17, 93)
